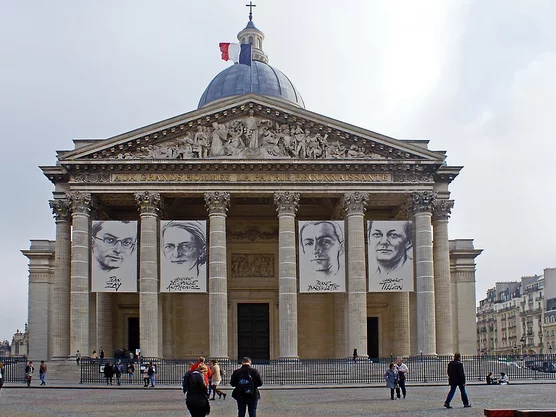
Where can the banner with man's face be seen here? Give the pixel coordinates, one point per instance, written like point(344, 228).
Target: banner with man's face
point(114, 256)
point(183, 256)
point(390, 255)
point(321, 256)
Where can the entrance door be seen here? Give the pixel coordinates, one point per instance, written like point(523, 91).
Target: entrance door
point(372, 337)
point(133, 333)
point(253, 331)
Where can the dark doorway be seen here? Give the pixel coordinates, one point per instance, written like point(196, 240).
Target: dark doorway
point(253, 331)
point(372, 337)
point(132, 334)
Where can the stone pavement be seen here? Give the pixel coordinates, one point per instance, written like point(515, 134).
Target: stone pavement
point(164, 401)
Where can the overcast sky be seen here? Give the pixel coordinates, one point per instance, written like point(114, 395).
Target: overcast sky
point(476, 78)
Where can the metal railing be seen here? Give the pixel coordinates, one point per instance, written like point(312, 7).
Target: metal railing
point(338, 371)
point(14, 368)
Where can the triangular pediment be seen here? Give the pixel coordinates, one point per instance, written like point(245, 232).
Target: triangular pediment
point(251, 127)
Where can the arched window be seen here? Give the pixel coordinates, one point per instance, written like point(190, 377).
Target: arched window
point(251, 39)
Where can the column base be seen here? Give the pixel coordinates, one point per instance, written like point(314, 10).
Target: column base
point(62, 358)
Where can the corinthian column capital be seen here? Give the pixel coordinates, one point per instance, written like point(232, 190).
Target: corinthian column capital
point(81, 203)
point(442, 209)
point(217, 202)
point(148, 202)
point(61, 209)
point(286, 202)
point(355, 203)
point(422, 202)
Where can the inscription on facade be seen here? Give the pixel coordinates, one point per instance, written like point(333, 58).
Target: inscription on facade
point(251, 177)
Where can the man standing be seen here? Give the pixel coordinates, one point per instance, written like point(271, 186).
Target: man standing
point(456, 378)
point(402, 374)
point(29, 369)
point(42, 373)
point(246, 381)
point(77, 357)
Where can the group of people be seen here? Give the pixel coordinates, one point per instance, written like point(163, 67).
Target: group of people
point(503, 380)
point(201, 379)
point(395, 378)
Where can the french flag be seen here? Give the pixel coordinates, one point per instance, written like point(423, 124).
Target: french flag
point(239, 53)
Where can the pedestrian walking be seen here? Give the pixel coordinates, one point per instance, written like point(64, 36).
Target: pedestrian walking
point(42, 372)
point(355, 355)
point(77, 357)
point(195, 388)
point(391, 378)
point(246, 382)
point(29, 369)
point(456, 378)
point(402, 374)
point(216, 380)
point(118, 371)
point(101, 353)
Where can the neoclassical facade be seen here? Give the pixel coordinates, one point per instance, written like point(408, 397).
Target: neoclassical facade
point(251, 163)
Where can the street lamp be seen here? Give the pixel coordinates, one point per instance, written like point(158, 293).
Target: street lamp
point(522, 340)
point(550, 350)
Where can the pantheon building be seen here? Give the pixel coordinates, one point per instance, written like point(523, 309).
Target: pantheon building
point(251, 226)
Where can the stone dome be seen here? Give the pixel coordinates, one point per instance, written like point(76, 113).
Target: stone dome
point(259, 78)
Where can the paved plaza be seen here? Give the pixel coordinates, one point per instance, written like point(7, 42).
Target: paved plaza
point(164, 401)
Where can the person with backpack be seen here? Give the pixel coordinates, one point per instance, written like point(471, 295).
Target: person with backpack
point(29, 369)
point(42, 372)
point(246, 382)
point(195, 388)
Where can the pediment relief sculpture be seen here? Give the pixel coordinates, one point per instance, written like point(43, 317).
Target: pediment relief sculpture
point(252, 137)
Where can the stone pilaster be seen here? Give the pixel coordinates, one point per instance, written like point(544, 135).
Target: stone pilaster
point(442, 284)
point(149, 206)
point(105, 322)
point(60, 338)
point(355, 206)
point(286, 206)
point(424, 276)
point(217, 206)
point(80, 253)
point(402, 325)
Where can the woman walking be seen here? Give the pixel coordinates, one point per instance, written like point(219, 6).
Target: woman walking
point(216, 380)
point(196, 390)
point(391, 378)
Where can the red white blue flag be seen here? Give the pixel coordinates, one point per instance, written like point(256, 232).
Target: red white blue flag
point(239, 53)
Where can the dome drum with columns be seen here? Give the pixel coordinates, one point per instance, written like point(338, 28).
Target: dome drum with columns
point(245, 175)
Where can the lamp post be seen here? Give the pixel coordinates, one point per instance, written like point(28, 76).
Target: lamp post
point(522, 340)
point(550, 351)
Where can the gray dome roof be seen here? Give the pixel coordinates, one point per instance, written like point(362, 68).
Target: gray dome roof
point(259, 78)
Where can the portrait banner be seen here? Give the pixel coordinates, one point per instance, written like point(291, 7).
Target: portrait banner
point(183, 256)
point(114, 256)
point(390, 255)
point(321, 256)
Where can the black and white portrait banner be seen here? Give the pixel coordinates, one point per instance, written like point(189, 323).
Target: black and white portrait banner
point(183, 256)
point(321, 256)
point(114, 256)
point(390, 255)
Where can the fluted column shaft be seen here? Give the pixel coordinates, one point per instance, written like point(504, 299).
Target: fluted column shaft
point(442, 283)
point(149, 206)
point(286, 206)
point(80, 250)
point(355, 205)
point(61, 208)
point(424, 275)
point(217, 206)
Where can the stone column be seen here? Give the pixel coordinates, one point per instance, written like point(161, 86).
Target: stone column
point(286, 206)
point(424, 276)
point(61, 208)
point(442, 284)
point(217, 206)
point(80, 268)
point(104, 323)
point(355, 206)
point(149, 207)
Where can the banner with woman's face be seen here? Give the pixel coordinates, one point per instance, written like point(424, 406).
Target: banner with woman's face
point(183, 256)
point(390, 255)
